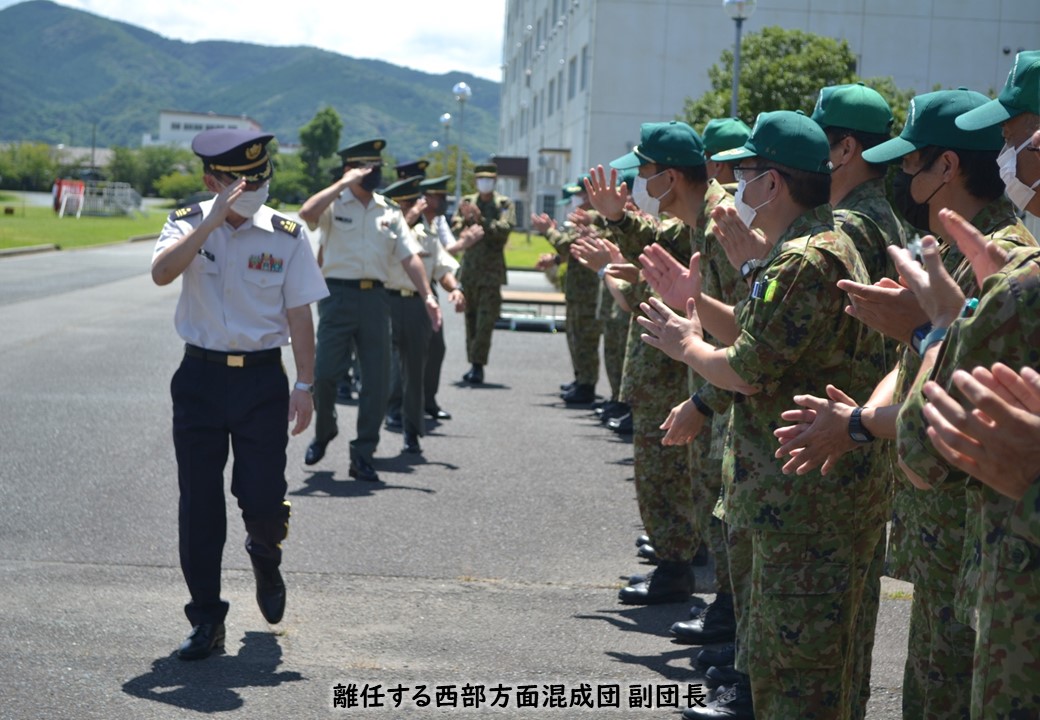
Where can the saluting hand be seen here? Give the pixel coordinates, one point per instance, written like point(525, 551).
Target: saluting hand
point(353, 176)
point(225, 199)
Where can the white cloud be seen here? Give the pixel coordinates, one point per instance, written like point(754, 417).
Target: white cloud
point(461, 35)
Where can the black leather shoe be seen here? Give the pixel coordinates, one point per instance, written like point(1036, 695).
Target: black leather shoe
point(621, 425)
point(612, 410)
point(394, 422)
point(475, 376)
point(204, 639)
point(714, 657)
point(270, 593)
point(411, 443)
point(642, 540)
point(438, 414)
point(671, 582)
point(724, 675)
point(640, 578)
point(361, 469)
point(702, 557)
point(715, 624)
point(316, 450)
point(647, 552)
point(732, 704)
point(580, 395)
point(567, 387)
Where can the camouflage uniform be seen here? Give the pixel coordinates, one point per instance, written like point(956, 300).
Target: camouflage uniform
point(652, 383)
point(614, 326)
point(866, 216)
point(483, 271)
point(1002, 553)
point(928, 539)
point(581, 292)
point(810, 550)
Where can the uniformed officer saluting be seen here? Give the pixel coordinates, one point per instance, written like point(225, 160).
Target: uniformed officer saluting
point(249, 277)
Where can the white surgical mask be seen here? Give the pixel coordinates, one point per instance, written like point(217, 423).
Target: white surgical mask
point(1020, 193)
point(485, 185)
point(744, 211)
point(249, 202)
point(643, 199)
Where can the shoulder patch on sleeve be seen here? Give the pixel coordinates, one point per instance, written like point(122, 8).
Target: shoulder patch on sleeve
point(286, 225)
point(186, 212)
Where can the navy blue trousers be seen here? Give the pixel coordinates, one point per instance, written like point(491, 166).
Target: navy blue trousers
point(216, 407)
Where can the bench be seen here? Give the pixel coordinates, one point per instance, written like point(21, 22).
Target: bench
point(532, 310)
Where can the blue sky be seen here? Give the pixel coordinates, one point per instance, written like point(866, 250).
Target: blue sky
point(435, 37)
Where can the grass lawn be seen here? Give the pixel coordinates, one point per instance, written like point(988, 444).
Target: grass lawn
point(41, 226)
point(521, 254)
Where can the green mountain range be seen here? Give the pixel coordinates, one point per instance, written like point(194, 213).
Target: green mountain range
point(65, 74)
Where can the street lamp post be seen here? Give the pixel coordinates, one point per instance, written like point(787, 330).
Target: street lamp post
point(445, 121)
point(462, 94)
point(739, 10)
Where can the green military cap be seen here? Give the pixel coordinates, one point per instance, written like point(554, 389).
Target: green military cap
point(674, 144)
point(931, 121)
point(486, 170)
point(369, 151)
point(435, 186)
point(407, 170)
point(724, 134)
point(787, 138)
point(853, 107)
point(405, 189)
point(1021, 94)
point(570, 190)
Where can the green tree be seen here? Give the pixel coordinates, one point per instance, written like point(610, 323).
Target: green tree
point(28, 166)
point(125, 166)
point(320, 140)
point(443, 163)
point(179, 185)
point(780, 70)
point(290, 183)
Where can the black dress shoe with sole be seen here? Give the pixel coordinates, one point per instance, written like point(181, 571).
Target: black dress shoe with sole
point(715, 657)
point(580, 395)
point(393, 422)
point(270, 593)
point(316, 450)
point(475, 376)
point(362, 470)
point(643, 540)
point(411, 443)
point(204, 639)
point(726, 675)
point(621, 425)
point(647, 552)
point(438, 414)
point(715, 624)
point(734, 703)
point(672, 581)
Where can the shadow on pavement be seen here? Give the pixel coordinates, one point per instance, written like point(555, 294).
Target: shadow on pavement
point(208, 685)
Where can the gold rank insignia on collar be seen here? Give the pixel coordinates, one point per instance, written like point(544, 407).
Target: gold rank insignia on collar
point(286, 225)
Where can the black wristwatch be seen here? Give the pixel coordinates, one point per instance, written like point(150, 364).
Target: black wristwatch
point(748, 268)
point(857, 430)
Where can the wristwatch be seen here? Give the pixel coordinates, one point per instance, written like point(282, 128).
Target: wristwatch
point(748, 268)
point(306, 387)
point(857, 430)
point(918, 336)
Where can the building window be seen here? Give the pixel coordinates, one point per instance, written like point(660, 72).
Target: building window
point(556, 9)
point(534, 113)
point(175, 126)
point(572, 77)
point(552, 97)
point(549, 205)
point(559, 90)
point(584, 67)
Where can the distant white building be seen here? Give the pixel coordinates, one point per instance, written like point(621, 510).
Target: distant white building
point(579, 76)
point(177, 127)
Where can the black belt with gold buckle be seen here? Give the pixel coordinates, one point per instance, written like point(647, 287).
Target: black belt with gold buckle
point(359, 284)
point(236, 360)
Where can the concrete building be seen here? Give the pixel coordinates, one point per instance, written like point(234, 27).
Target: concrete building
point(177, 127)
point(579, 76)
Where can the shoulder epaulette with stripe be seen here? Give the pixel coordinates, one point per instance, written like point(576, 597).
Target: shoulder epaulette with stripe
point(186, 212)
point(286, 225)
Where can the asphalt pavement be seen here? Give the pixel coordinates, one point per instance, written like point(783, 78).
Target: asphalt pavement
point(492, 562)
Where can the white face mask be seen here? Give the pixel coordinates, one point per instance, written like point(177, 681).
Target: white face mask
point(744, 211)
point(249, 202)
point(1020, 193)
point(643, 199)
point(576, 203)
point(485, 185)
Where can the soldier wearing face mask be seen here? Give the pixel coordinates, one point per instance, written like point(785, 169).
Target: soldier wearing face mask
point(248, 278)
point(361, 235)
point(482, 222)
